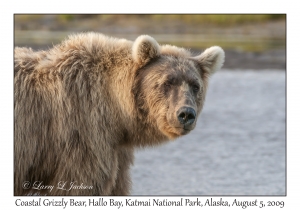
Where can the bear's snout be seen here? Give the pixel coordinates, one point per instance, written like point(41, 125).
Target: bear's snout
point(186, 115)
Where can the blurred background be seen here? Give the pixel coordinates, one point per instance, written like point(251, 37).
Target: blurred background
point(239, 144)
point(246, 38)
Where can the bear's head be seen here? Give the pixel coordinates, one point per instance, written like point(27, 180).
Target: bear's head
point(170, 84)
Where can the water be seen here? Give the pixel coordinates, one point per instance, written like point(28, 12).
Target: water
point(237, 148)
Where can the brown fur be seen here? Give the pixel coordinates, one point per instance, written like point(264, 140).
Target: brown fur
point(81, 108)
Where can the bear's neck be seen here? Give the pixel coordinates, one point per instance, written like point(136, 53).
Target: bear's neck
point(137, 130)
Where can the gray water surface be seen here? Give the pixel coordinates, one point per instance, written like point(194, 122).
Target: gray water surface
point(237, 148)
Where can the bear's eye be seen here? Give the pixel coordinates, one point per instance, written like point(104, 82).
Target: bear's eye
point(168, 83)
point(196, 88)
point(167, 86)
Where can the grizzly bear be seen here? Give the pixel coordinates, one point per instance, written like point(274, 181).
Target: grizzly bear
point(81, 107)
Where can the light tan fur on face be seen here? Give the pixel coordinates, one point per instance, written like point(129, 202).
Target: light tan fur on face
point(81, 107)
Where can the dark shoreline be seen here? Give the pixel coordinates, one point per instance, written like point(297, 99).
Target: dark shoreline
point(234, 59)
point(272, 59)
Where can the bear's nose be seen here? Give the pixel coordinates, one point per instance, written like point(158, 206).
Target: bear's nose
point(186, 115)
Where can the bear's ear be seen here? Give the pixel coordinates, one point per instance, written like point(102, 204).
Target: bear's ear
point(211, 59)
point(144, 49)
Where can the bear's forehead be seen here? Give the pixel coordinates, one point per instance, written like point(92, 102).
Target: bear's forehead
point(179, 73)
point(171, 68)
point(175, 59)
point(180, 67)
point(179, 77)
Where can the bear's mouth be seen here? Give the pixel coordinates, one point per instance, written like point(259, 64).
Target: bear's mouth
point(174, 131)
point(184, 130)
point(178, 131)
